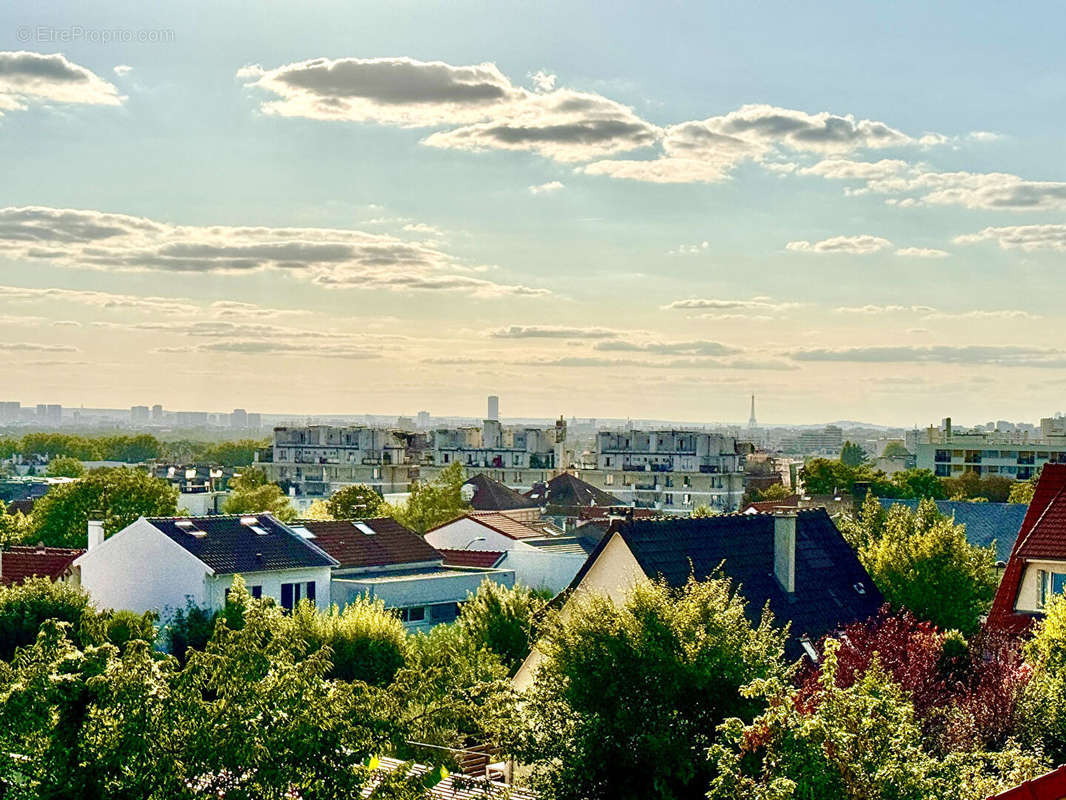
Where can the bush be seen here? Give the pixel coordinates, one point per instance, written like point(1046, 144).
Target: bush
point(501, 619)
point(23, 609)
point(122, 627)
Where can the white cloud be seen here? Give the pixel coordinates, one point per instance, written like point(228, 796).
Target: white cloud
point(27, 77)
point(690, 249)
point(698, 347)
point(922, 252)
point(1021, 237)
point(552, 332)
point(889, 309)
point(1001, 355)
point(863, 244)
point(335, 258)
point(34, 347)
point(543, 80)
point(123, 69)
point(757, 304)
point(547, 188)
point(846, 169)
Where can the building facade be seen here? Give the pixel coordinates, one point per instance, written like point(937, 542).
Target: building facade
point(950, 453)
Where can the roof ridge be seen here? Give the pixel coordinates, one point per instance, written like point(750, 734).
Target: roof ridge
point(1036, 523)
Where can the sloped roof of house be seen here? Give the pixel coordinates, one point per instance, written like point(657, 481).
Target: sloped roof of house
point(242, 543)
point(455, 787)
point(766, 506)
point(501, 523)
point(387, 543)
point(483, 559)
point(832, 589)
point(19, 563)
point(491, 495)
point(570, 491)
point(577, 545)
point(1050, 786)
point(985, 522)
point(1042, 536)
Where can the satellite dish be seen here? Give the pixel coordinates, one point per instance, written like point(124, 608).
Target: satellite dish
point(467, 491)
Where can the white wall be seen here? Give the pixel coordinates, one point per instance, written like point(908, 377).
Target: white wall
point(1029, 593)
point(216, 585)
point(459, 535)
point(541, 570)
point(141, 569)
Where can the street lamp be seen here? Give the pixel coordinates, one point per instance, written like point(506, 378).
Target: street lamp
point(476, 539)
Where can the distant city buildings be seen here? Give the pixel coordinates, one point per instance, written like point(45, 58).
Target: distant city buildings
point(1016, 454)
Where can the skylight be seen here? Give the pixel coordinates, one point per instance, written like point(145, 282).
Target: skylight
point(365, 528)
point(259, 529)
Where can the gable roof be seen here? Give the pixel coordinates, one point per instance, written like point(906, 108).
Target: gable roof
point(501, 523)
point(1049, 786)
point(763, 506)
point(832, 587)
point(230, 544)
point(19, 563)
point(491, 495)
point(390, 543)
point(577, 544)
point(985, 522)
point(1042, 535)
point(484, 559)
point(568, 490)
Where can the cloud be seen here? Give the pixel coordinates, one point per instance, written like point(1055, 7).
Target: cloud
point(34, 347)
point(333, 258)
point(890, 309)
point(1021, 237)
point(928, 312)
point(547, 188)
point(552, 332)
point(758, 304)
point(313, 349)
point(421, 227)
point(543, 80)
point(123, 69)
point(855, 245)
point(96, 299)
point(699, 347)
point(1000, 355)
point(844, 169)
point(689, 249)
point(922, 252)
point(27, 77)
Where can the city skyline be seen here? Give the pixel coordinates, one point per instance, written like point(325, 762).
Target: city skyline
point(417, 206)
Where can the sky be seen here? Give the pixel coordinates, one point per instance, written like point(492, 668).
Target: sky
point(854, 211)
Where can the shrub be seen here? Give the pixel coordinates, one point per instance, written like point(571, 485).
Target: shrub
point(23, 608)
point(501, 619)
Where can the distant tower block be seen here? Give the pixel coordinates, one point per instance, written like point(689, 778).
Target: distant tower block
point(494, 407)
point(751, 420)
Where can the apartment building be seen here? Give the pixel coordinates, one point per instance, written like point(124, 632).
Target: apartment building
point(493, 446)
point(949, 452)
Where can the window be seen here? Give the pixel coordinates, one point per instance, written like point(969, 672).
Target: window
point(609, 480)
point(310, 595)
point(257, 592)
point(290, 595)
point(444, 612)
point(413, 614)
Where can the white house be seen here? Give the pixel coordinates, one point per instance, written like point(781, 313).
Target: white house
point(161, 564)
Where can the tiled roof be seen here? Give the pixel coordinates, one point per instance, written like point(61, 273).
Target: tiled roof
point(501, 523)
point(19, 563)
point(985, 522)
point(580, 545)
point(229, 546)
point(391, 543)
point(483, 559)
point(1042, 535)
point(569, 491)
point(491, 495)
point(763, 506)
point(828, 574)
point(25, 506)
point(1050, 786)
point(456, 787)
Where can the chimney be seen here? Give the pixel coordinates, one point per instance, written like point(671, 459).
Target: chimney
point(785, 548)
point(96, 530)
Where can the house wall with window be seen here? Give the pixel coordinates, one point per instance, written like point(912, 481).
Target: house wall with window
point(1042, 580)
point(312, 583)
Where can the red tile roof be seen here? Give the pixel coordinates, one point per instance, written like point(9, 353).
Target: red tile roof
point(391, 543)
point(1051, 786)
point(769, 505)
point(1042, 535)
point(483, 559)
point(501, 523)
point(19, 563)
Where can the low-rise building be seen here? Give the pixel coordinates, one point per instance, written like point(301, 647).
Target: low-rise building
point(950, 452)
point(487, 494)
point(19, 563)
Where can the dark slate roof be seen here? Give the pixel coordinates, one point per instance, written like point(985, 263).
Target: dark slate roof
point(391, 543)
point(580, 545)
point(827, 569)
point(19, 563)
point(491, 495)
point(985, 522)
point(471, 558)
point(25, 506)
point(229, 546)
point(570, 491)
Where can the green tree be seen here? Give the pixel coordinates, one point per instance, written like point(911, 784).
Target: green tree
point(122, 495)
point(852, 454)
point(895, 450)
point(25, 607)
point(826, 476)
point(251, 493)
point(239, 453)
point(1044, 704)
point(1022, 492)
point(971, 486)
point(13, 527)
point(355, 502)
point(921, 561)
point(65, 467)
point(501, 620)
point(627, 699)
point(433, 503)
point(856, 743)
point(703, 510)
point(918, 483)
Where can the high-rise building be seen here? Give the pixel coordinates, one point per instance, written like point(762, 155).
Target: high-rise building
point(49, 413)
point(239, 418)
point(139, 415)
point(751, 420)
point(157, 413)
point(10, 411)
point(423, 420)
point(494, 408)
point(255, 421)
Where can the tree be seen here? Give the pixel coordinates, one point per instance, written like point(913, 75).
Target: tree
point(24, 608)
point(65, 467)
point(501, 620)
point(13, 527)
point(1045, 699)
point(918, 483)
point(971, 486)
point(355, 502)
point(1023, 491)
point(434, 503)
point(921, 561)
point(854, 742)
point(703, 510)
point(895, 450)
point(627, 698)
point(251, 493)
point(825, 476)
point(239, 453)
point(122, 495)
point(852, 454)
